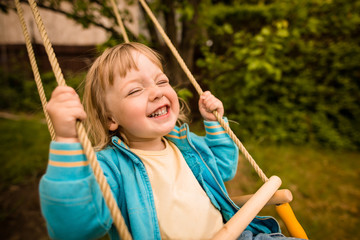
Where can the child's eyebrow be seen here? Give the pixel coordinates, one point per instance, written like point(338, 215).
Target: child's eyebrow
point(156, 76)
point(160, 74)
point(136, 79)
point(133, 80)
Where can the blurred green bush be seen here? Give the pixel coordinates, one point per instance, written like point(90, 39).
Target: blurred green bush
point(18, 92)
point(287, 71)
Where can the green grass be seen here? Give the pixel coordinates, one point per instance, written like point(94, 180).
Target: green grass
point(325, 183)
point(24, 148)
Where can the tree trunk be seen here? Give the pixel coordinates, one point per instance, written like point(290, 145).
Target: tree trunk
point(174, 71)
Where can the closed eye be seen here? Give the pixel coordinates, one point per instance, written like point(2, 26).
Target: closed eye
point(162, 82)
point(133, 91)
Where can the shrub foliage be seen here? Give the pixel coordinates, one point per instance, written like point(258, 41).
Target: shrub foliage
point(287, 71)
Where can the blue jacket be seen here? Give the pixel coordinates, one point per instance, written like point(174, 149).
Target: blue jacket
point(73, 206)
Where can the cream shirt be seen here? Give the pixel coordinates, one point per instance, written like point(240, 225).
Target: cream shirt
point(183, 208)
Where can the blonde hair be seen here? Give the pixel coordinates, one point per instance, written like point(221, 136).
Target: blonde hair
point(117, 60)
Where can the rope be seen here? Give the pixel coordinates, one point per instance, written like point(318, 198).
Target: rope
point(34, 68)
point(200, 91)
point(219, 119)
point(257, 169)
point(118, 18)
point(88, 150)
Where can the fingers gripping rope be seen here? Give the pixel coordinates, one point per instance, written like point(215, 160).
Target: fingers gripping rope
point(168, 42)
point(89, 152)
point(200, 91)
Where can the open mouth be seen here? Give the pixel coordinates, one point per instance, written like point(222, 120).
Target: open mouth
point(159, 112)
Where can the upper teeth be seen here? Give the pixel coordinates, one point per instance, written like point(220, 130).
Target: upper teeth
point(159, 112)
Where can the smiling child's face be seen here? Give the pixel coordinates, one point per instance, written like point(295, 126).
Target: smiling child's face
point(142, 103)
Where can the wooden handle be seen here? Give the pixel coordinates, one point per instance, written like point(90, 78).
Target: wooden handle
point(281, 196)
point(237, 224)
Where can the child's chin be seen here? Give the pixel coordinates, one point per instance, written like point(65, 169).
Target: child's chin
point(168, 128)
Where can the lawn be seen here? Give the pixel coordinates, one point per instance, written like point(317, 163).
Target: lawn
point(324, 182)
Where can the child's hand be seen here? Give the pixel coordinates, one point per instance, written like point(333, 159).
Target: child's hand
point(64, 109)
point(209, 103)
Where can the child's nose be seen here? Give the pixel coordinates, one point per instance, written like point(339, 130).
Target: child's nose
point(155, 93)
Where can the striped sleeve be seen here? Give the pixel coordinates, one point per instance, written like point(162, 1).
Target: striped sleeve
point(214, 130)
point(67, 161)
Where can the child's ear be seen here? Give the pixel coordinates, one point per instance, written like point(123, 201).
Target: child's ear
point(113, 125)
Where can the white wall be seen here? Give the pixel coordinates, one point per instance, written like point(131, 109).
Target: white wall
point(61, 30)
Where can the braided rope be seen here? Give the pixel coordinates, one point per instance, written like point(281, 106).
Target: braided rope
point(34, 68)
point(89, 152)
point(246, 154)
point(200, 91)
point(120, 22)
point(220, 120)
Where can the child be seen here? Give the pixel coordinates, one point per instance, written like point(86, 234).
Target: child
point(167, 181)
